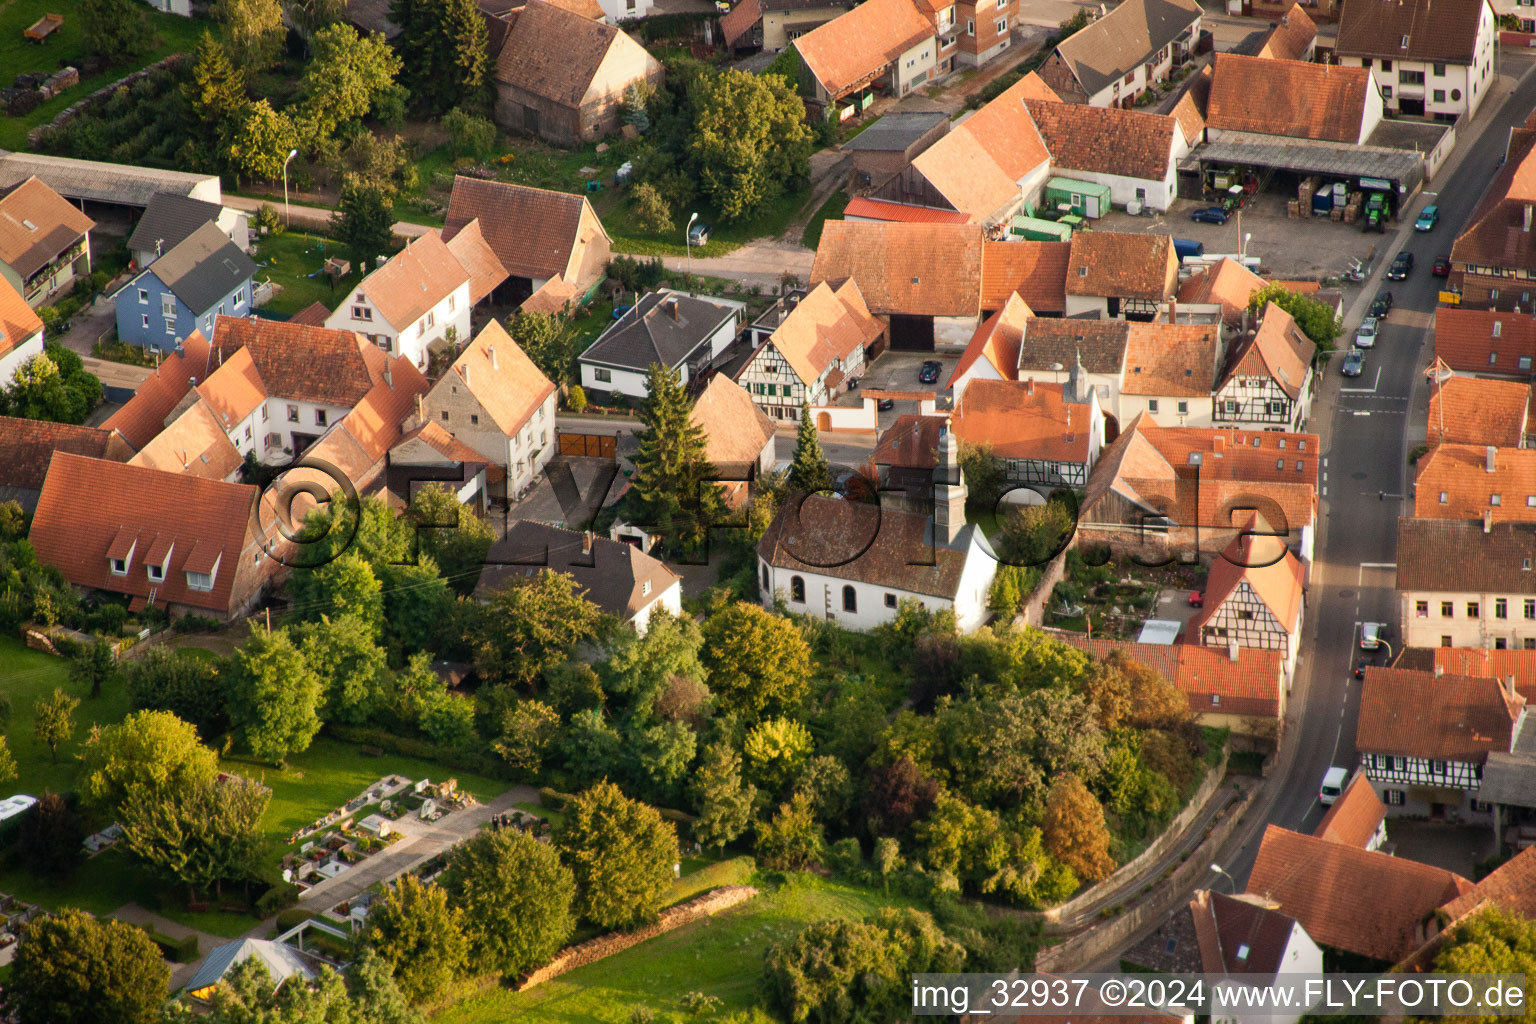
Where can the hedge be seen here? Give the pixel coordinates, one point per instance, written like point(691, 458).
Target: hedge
point(408, 746)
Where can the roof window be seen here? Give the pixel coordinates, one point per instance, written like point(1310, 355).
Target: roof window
point(1242, 949)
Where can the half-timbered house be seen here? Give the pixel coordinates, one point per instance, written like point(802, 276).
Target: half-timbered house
point(1047, 435)
point(808, 359)
point(1424, 737)
point(1253, 596)
point(1267, 383)
point(1114, 275)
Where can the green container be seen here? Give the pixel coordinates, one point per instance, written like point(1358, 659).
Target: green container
point(1033, 229)
point(1083, 198)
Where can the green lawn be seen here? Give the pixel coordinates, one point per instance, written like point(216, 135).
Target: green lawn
point(17, 54)
point(721, 956)
point(629, 237)
point(832, 209)
point(26, 676)
point(289, 259)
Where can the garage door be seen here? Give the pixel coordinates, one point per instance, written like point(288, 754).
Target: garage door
point(602, 446)
point(912, 333)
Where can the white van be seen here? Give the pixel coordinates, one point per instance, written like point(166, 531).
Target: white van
point(1333, 785)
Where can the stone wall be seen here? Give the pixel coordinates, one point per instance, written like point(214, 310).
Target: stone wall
point(99, 96)
point(593, 950)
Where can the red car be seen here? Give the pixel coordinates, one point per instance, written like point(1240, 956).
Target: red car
point(1442, 266)
point(1196, 599)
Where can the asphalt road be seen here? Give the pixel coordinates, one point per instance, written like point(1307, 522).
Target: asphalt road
point(1367, 457)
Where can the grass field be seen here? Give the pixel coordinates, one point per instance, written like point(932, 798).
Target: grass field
point(67, 43)
point(720, 956)
point(289, 259)
point(25, 677)
point(628, 237)
point(832, 209)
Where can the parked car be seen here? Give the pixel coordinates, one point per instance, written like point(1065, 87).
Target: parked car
point(1196, 599)
point(1354, 363)
point(698, 234)
point(1365, 337)
point(1402, 266)
point(1427, 218)
point(1441, 266)
point(1371, 634)
point(1209, 215)
point(929, 374)
point(1382, 305)
point(1333, 785)
point(886, 404)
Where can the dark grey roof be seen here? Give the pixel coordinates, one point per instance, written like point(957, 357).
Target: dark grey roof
point(1509, 779)
point(204, 268)
point(1113, 46)
point(895, 132)
point(651, 333)
point(281, 961)
point(612, 573)
point(169, 219)
point(94, 180)
point(1455, 555)
point(805, 5)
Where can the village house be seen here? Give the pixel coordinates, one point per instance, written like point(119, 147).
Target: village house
point(906, 457)
point(1510, 887)
point(1242, 689)
point(495, 400)
point(1253, 595)
point(547, 243)
point(27, 446)
point(1430, 58)
point(1469, 481)
point(21, 332)
point(1047, 435)
point(1424, 738)
point(1356, 818)
point(1035, 271)
point(925, 279)
point(738, 436)
point(993, 352)
point(429, 454)
point(807, 360)
point(854, 564)
point(45, 242)
point(892, 45)
point(784, 21)
point(1170, 374)
point(1292, 37)
point(619, 578)
point(1467, 583)
point(1216, 293)
point(1493, 260)
point(169, 218)
point(1134, 152)
point(169, 540)
point(1489, 343)
point(561, 76)
point(205, 276)
point(1115, 59)
point(988, 166)
point(1474, 410)
point(668, 328)
point(1291, 98)
point(1119, 275)
point(1050, 349)
point(416, 300)
point(1182, 491)
point(888, 146)
point(1349, 898)
point(1267, 383)
point(155, 400)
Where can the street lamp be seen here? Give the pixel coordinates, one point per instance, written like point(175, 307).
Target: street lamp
point(291, 154)
point(1218, 869)
point(1242, 252)
point(688, 242)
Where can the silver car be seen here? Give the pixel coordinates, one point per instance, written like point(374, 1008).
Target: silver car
point(1365, 337)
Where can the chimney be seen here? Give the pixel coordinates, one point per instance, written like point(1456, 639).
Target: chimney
point(1525, 220)
point(490, 350)
point(1219, 443)
point(464, 372)
point(586, 543)
point(1487, 520)
point(1029, 387)
point(1232, 651)
point(1439, 671)
point(421, 409)
point(1490, 454)
point(672, 308)
point(1173, 311)
point(389, 379)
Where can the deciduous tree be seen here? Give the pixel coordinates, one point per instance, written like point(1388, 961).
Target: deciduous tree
point(451, 534)
point(1074, 829)
point(274, 696)
point(258, 149)
point(53, 386)
point(758, 662)
point(8, 769)
point(71, 968)
point(749, 143)
point(531, 624)
point(93, 666)
point(528, 732)
point(420, 935)
point(793, 839)
point(118, 30)
point(724, 800)
point(550, 340)
point(50, 837)
point(192, 689)
point(622, 855)
point(899, 792)
point(365, 214)
point(775, 751)
point(153, 751)
point(253, 30)
point(651, 211)
point(347, 74)
point(517, 899)
point(345, 656)
point(200, 835)
point(54, 720)
point(671, 489)
point(643, 667)
point(1316, 319)
point(1491, 941)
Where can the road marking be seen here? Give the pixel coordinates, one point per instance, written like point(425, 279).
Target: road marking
point(1364, 391)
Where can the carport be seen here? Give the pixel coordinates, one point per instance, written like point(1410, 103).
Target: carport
point(1235, 154)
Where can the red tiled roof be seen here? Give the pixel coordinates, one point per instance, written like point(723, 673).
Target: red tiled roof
point(1496, 234)
point(1261, 561)
point(130, 506)
point(1173, 360)
point(196, 443)
point(297, 361)
point(997, 341)
point(916, 269)
point(1037, 271)
point(562, 56)
point(856, 45)
point(313, 315)
point(478, 259)
point(27, 446)
point(36, 225)
point(1475, 410)
point(1484, 661)
point(881, 209)
point(1288, 97)
point(740, 20)
point(1412, 30)
point(1465, 340)
point(1106, 140)
point(415, 279)
point(1277, 349)
point(1226, 283)
point(827, 324)
point(146, 413)
point(1510, 886)
point(1355, 816)
point(1291, 36)
point(532, 231)
point(912, 442)
point(1122, 265)
point(1460, 473)
point(1356, 900)
point(500, 375)
point(19, 322)
point(979, 164)
point(1254, 684)
point(735, 429)
point(1446, 717)
point(1023, 420)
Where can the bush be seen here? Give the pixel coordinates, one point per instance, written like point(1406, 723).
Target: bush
point(473, 136)
point(276, 899)
point(292, 917)
point(554, 799)
point(267, 217)
point(635, 275)
point(576, 400)
point(197, 624)
point(470, 760)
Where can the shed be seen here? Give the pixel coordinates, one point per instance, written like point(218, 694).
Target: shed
point(281, 961)
point(1084, 198)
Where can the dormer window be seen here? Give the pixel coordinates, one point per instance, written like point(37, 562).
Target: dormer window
point(645, 588)
point(119, 566)
point(156, 572)
point(201, 574)
point(1242, 949)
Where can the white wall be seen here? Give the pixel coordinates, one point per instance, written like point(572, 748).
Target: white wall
point(1464, 630)
point(953, 332)
point(615, 11)
point(12, 360)
point(981, 369)
point(271, 417)
point(1201, 410)
point(1157, 195)
point(670, 600)
point(620, 382)
point(1081, 305)
point(920, 60)
point(410, 340)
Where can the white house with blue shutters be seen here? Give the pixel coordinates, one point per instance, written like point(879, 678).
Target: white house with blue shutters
point(204, 275)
